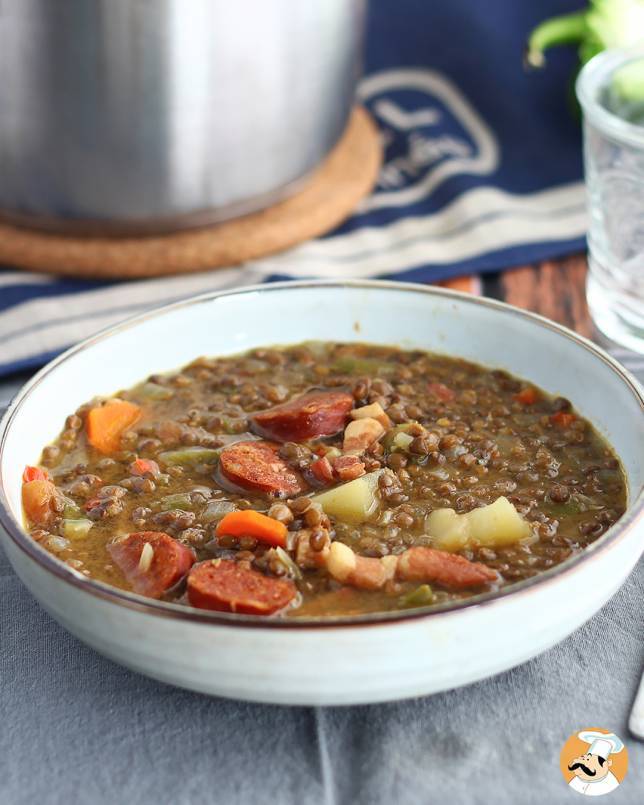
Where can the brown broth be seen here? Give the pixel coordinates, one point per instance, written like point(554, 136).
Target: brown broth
point(561, 476)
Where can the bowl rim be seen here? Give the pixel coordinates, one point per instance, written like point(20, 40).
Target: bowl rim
point(132, 601)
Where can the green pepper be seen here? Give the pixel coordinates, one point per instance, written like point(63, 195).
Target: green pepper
point(562, 30)
point(604, 24)
point(190, 456)
point(76, 529)
point(398, 438)
point(361, 366)
point(153, 391)
point(216, 510)
point(420, 597)
point(72, 510)
point(181, 500)
point(561, 509)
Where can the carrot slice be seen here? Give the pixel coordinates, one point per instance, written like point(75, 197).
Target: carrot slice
point(250, 523)
point(527, 396)
point(106, 423)
point(34, 474)
point(38, 500)
point(563, 419)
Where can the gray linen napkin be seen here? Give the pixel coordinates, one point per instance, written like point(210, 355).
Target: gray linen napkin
point(76, 728)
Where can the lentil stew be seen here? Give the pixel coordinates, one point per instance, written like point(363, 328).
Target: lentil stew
point(323, 479)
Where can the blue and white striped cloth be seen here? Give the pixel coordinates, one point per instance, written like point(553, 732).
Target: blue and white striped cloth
point(482, 171)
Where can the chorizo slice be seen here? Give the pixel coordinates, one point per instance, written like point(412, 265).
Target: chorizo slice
point(257, 466)
point(316, 413)
point(228, 586)
point(151, 561)
point(448, 569)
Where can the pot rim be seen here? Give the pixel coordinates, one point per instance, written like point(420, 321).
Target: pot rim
point(616, 534)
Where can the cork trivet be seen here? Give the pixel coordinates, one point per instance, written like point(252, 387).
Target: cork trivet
point(328, 197)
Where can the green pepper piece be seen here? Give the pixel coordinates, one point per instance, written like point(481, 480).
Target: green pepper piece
point(72, 510)
point(361, 366)
point(181, 500)
point(561, 509)
point(391, 440)
point(75, 529)
point(191, 456)
point(420, 597)
point(216, 510)
point(564, 30)
point(153, 391)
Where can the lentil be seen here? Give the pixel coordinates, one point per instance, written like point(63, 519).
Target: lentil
point(470, 441)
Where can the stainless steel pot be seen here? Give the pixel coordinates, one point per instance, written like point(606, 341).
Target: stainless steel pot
point(156, 114)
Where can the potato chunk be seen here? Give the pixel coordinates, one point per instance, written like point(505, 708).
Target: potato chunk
point(493, 526)
point(374, 411)
point(497, 524)
point(353, 502)
point(341, 561)
point(451, 531)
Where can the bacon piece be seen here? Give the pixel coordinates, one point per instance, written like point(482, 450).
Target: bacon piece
point(448, 569)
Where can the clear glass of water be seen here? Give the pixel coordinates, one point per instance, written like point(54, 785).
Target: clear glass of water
point(610, 89)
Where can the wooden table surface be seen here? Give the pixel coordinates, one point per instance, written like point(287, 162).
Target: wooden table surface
point(553, 288)
point(556, 289)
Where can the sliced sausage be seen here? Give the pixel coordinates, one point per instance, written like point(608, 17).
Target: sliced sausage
point(257, 466)
point(448, 569)
point(151, 570)
point(316, 413)
point(228, 586)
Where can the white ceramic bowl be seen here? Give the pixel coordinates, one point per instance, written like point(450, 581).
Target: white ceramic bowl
point(367, 659)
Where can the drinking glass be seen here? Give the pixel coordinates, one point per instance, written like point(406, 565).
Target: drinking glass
point(610, 89)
